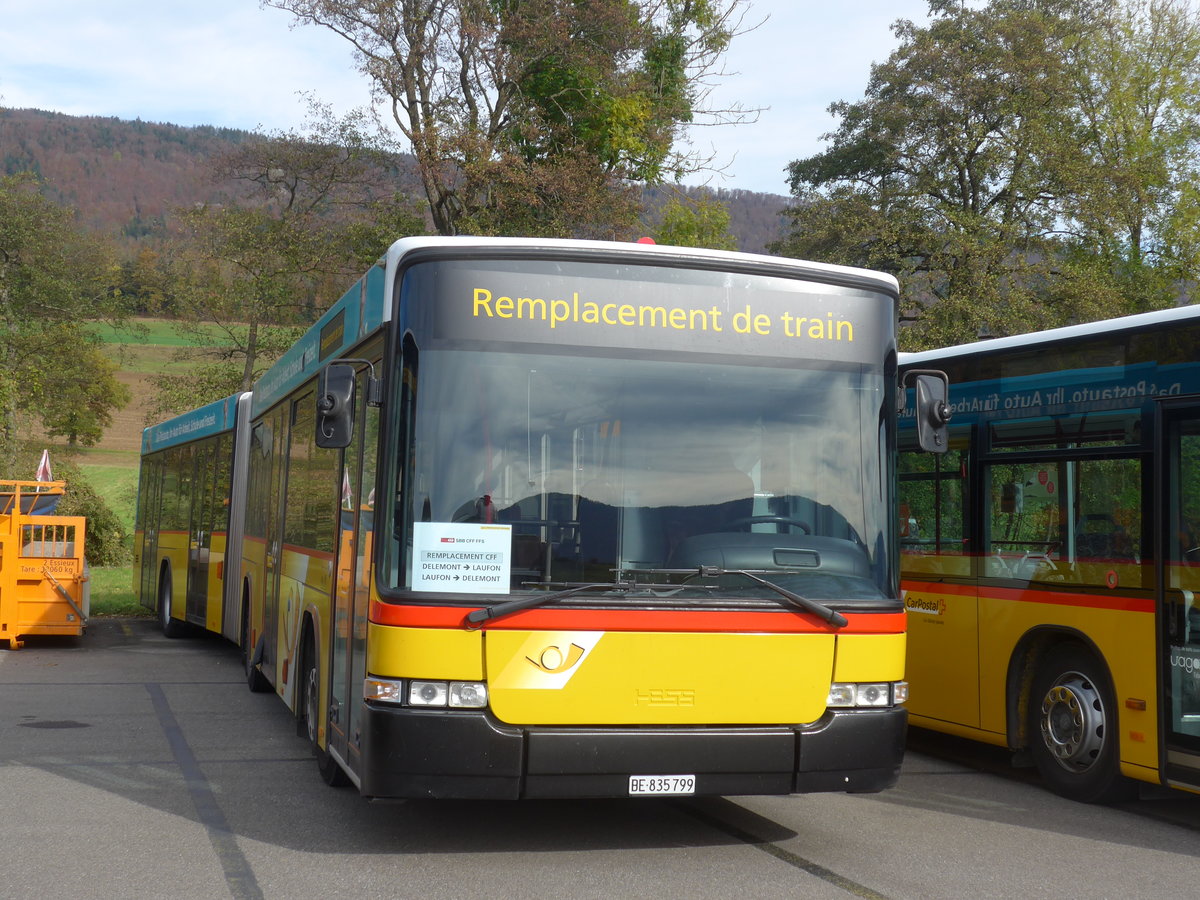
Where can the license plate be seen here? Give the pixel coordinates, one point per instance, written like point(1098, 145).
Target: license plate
point(659, 785)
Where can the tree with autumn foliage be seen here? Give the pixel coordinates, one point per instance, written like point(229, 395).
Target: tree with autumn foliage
point(535, 116)
point(701, 220)
point(1018, 164)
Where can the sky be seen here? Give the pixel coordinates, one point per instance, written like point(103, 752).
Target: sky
point(230, 63)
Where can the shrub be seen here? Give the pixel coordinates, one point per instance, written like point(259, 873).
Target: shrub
point(107, 542)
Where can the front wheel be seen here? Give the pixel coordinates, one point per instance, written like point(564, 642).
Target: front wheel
point(1073, 727)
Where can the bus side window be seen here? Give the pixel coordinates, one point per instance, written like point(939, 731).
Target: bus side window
point(932, 498)
point(1068, 520)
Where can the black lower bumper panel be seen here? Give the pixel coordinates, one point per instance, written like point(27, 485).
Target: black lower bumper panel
point(462, 755)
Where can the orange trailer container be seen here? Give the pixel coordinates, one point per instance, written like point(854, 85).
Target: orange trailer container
point(43, 574)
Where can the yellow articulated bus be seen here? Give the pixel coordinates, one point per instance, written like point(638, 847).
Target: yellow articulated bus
point(530, 518)
point(1051, 559)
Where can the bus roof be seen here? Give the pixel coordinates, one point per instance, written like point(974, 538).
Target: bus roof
point(1054, 336)
point(212, 418)
point(661, 254)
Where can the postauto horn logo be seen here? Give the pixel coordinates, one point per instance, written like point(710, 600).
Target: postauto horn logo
point(553, 660)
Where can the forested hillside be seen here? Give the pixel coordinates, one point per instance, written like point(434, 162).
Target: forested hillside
point(121, 177)
point(125, 178)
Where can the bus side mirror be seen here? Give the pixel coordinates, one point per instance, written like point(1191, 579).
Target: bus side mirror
point(335, 406)
point(933, 412)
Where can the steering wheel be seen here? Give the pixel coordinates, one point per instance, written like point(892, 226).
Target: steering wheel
point(772, 520)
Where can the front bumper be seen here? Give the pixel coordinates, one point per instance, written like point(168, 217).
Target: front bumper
point(468, 755)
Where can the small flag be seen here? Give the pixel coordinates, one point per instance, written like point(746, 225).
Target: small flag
point(347, 494)
point(43, 469)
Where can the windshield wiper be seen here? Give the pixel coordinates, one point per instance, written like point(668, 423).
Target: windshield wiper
point(820, 610)
point(476, 617)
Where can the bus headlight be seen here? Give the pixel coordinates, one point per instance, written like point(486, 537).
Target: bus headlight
point(468, 694)
point(850, 695)
point(878, 694)
point(840, 695)
point(402, 692)
point(428, 693)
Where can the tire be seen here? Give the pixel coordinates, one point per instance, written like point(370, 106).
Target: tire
point(1073, 727)
point(331, 772)
point(255, 679)
point(171, 628)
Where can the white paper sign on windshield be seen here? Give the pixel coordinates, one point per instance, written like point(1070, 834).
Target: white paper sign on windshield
point(461, 557)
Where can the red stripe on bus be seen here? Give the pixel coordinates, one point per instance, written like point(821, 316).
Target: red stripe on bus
point(1118, 602)
point(785, 622)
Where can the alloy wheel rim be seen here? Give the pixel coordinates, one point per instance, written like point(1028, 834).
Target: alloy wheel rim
point(1073, 722)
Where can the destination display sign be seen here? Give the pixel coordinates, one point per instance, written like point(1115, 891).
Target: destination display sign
point(654, 308)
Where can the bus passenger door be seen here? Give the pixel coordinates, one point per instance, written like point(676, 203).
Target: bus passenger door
point(352, 585)
point(1178, 487)
point(149, 505)
point(200, 534)
point(938, 576)
point(274, 434)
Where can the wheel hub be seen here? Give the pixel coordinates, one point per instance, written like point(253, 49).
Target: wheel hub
point(311, 712)
point(1072, 722)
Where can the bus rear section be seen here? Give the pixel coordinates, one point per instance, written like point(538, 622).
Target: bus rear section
point(188, 537)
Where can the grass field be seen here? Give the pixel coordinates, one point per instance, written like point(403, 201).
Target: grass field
point(142, 350)
point(115, 479)
point(149, 332)
point(112, 593)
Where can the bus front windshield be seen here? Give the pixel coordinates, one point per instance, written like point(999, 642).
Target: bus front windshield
point(634, 471)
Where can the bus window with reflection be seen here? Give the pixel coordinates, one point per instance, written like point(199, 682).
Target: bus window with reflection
point(597, 476)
